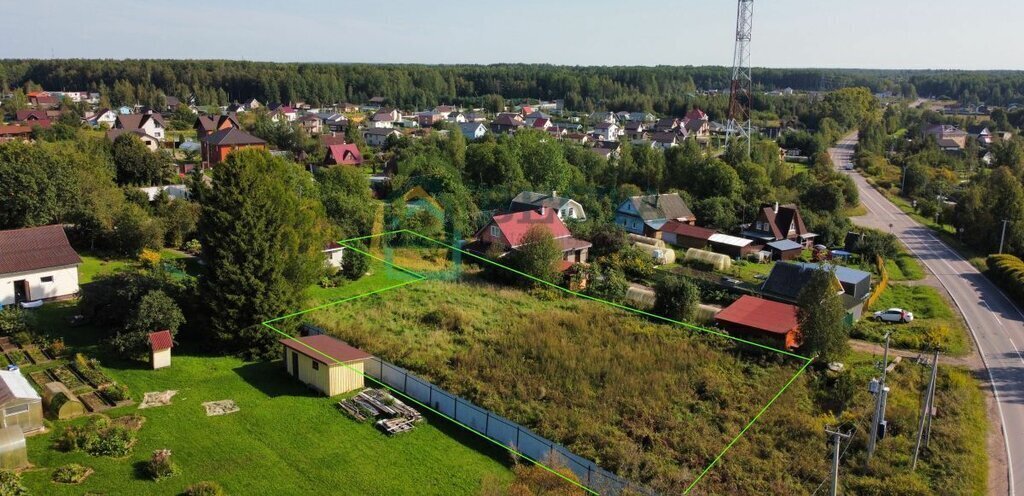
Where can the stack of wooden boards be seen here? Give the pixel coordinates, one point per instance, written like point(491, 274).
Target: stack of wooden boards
point(394, 416)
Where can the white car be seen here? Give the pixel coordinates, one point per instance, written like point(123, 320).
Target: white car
point(894, 315)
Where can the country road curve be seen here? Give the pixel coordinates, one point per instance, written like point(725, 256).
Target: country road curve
point(995, 322)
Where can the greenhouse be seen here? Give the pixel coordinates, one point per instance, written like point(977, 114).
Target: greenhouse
point(13, 455)
point(717, 261)
point(661, 255)
point(61, 403)
point(21, 404)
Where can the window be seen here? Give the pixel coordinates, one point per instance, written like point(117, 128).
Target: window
point(46, 279)
point(495, 232)
point(316, 365)
point(15, 410)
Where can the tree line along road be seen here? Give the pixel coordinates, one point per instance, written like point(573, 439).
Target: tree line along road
point(995, 322)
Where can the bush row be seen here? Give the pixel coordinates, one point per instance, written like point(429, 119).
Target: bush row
point(1008, 272)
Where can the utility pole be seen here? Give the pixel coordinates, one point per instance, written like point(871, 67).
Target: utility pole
point(879, 390)
point(903, 182)
point(836, 439)
point(1003, 236)
point(926, 412)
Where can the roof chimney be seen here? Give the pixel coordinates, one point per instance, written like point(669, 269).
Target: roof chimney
point(776, 207)
point(554, 194)
point(543, 211)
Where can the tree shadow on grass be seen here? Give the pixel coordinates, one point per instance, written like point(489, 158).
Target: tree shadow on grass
point(273, 380)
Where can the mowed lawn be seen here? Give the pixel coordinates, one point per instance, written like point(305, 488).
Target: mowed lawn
point(285, 440)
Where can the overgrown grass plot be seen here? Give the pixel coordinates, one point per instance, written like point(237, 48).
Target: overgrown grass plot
point(657, 406)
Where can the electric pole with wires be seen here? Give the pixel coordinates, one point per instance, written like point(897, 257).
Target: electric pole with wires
point(880, 391)
point(835, 439)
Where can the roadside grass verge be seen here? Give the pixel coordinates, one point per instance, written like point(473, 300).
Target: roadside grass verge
point(904, 267)
point(935, 323)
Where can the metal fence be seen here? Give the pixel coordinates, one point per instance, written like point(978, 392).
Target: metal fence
point(498, 428)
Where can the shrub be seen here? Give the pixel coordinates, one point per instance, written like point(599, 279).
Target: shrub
point(193, 247)
point(13, 320)
point(150, 259)
point(57, 348)
point(23, 338)
point(160, 466)
point(97, 437)
point(114, 441)
point(10, 484)
point(116, 392)
point(71, 473)
point(205, 488)
point(1008, 272)
point(447, 317)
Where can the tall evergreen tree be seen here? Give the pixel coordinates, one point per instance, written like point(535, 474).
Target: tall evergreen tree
point(261, 237)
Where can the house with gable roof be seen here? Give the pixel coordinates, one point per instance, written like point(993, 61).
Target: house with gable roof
point(37, 263)
point(567, 208)
point(778, 223)
point(646, 214)
point(343, 154)
point(506, 231)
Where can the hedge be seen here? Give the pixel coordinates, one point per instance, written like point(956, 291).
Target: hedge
point(1008, 272)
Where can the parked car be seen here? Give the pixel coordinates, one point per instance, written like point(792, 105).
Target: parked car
point(894, 315)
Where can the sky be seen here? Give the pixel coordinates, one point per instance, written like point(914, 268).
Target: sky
point(885, 34)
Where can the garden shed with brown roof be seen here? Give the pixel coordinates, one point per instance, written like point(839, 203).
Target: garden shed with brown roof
point(324, 363)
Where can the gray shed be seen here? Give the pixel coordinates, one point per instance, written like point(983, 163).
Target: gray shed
point(21, 405)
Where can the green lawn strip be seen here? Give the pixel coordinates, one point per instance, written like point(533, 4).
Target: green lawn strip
point(904, 267)
point(935, 323)
point(94, 266)
point(283, 441)
point(750, 272)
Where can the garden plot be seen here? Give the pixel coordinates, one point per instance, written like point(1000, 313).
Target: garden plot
point(223, 407)
point(157, 399)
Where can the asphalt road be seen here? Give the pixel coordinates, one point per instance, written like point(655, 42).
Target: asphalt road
point(997, 324)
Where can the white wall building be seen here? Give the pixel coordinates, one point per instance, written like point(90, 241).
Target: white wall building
point(37, 263)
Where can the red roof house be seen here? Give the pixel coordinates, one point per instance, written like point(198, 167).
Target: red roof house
point(507, 231)
point(343, 154)
point(752, 317)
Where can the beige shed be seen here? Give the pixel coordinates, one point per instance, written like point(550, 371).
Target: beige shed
point(327, 364)
point(20, 404)
point(160, 343)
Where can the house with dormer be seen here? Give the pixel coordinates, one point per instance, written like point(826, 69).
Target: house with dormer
point(778, 223)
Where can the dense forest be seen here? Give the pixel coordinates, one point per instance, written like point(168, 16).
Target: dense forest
point(663, 89)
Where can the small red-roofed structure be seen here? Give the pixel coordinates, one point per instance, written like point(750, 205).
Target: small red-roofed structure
point(160, 344)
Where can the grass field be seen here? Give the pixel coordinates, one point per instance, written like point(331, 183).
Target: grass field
point(935, 323)
point(285, 440)
point(904, 267)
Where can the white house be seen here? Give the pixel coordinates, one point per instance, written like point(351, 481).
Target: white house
point(37, 263)
point(567, 208)
point(103, 116)
point(378, 136)
point(149, 123)
point(607, 131)
point(473, 130)
point(334, 254)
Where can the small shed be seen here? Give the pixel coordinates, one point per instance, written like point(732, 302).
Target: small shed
point(21, 404)
point(160, 344)
point(733, 246)
point(785, 249)
point(752, 317)
point(60, 402)
point(326, 364)
point(13, 453)
point(686, 235)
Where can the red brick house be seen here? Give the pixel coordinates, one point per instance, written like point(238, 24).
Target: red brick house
point(507, 231)
point(763, 320)
point(218, 145)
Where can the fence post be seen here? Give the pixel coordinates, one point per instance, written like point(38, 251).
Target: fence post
point(487, 423)
point(405, 383)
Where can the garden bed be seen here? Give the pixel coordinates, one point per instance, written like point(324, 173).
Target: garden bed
point(36, 354)
point(91, 375)
point(69, 378)
point(94, 402)
point(18, 357)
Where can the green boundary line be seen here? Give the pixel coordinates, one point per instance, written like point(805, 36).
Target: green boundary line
point(420, 277)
